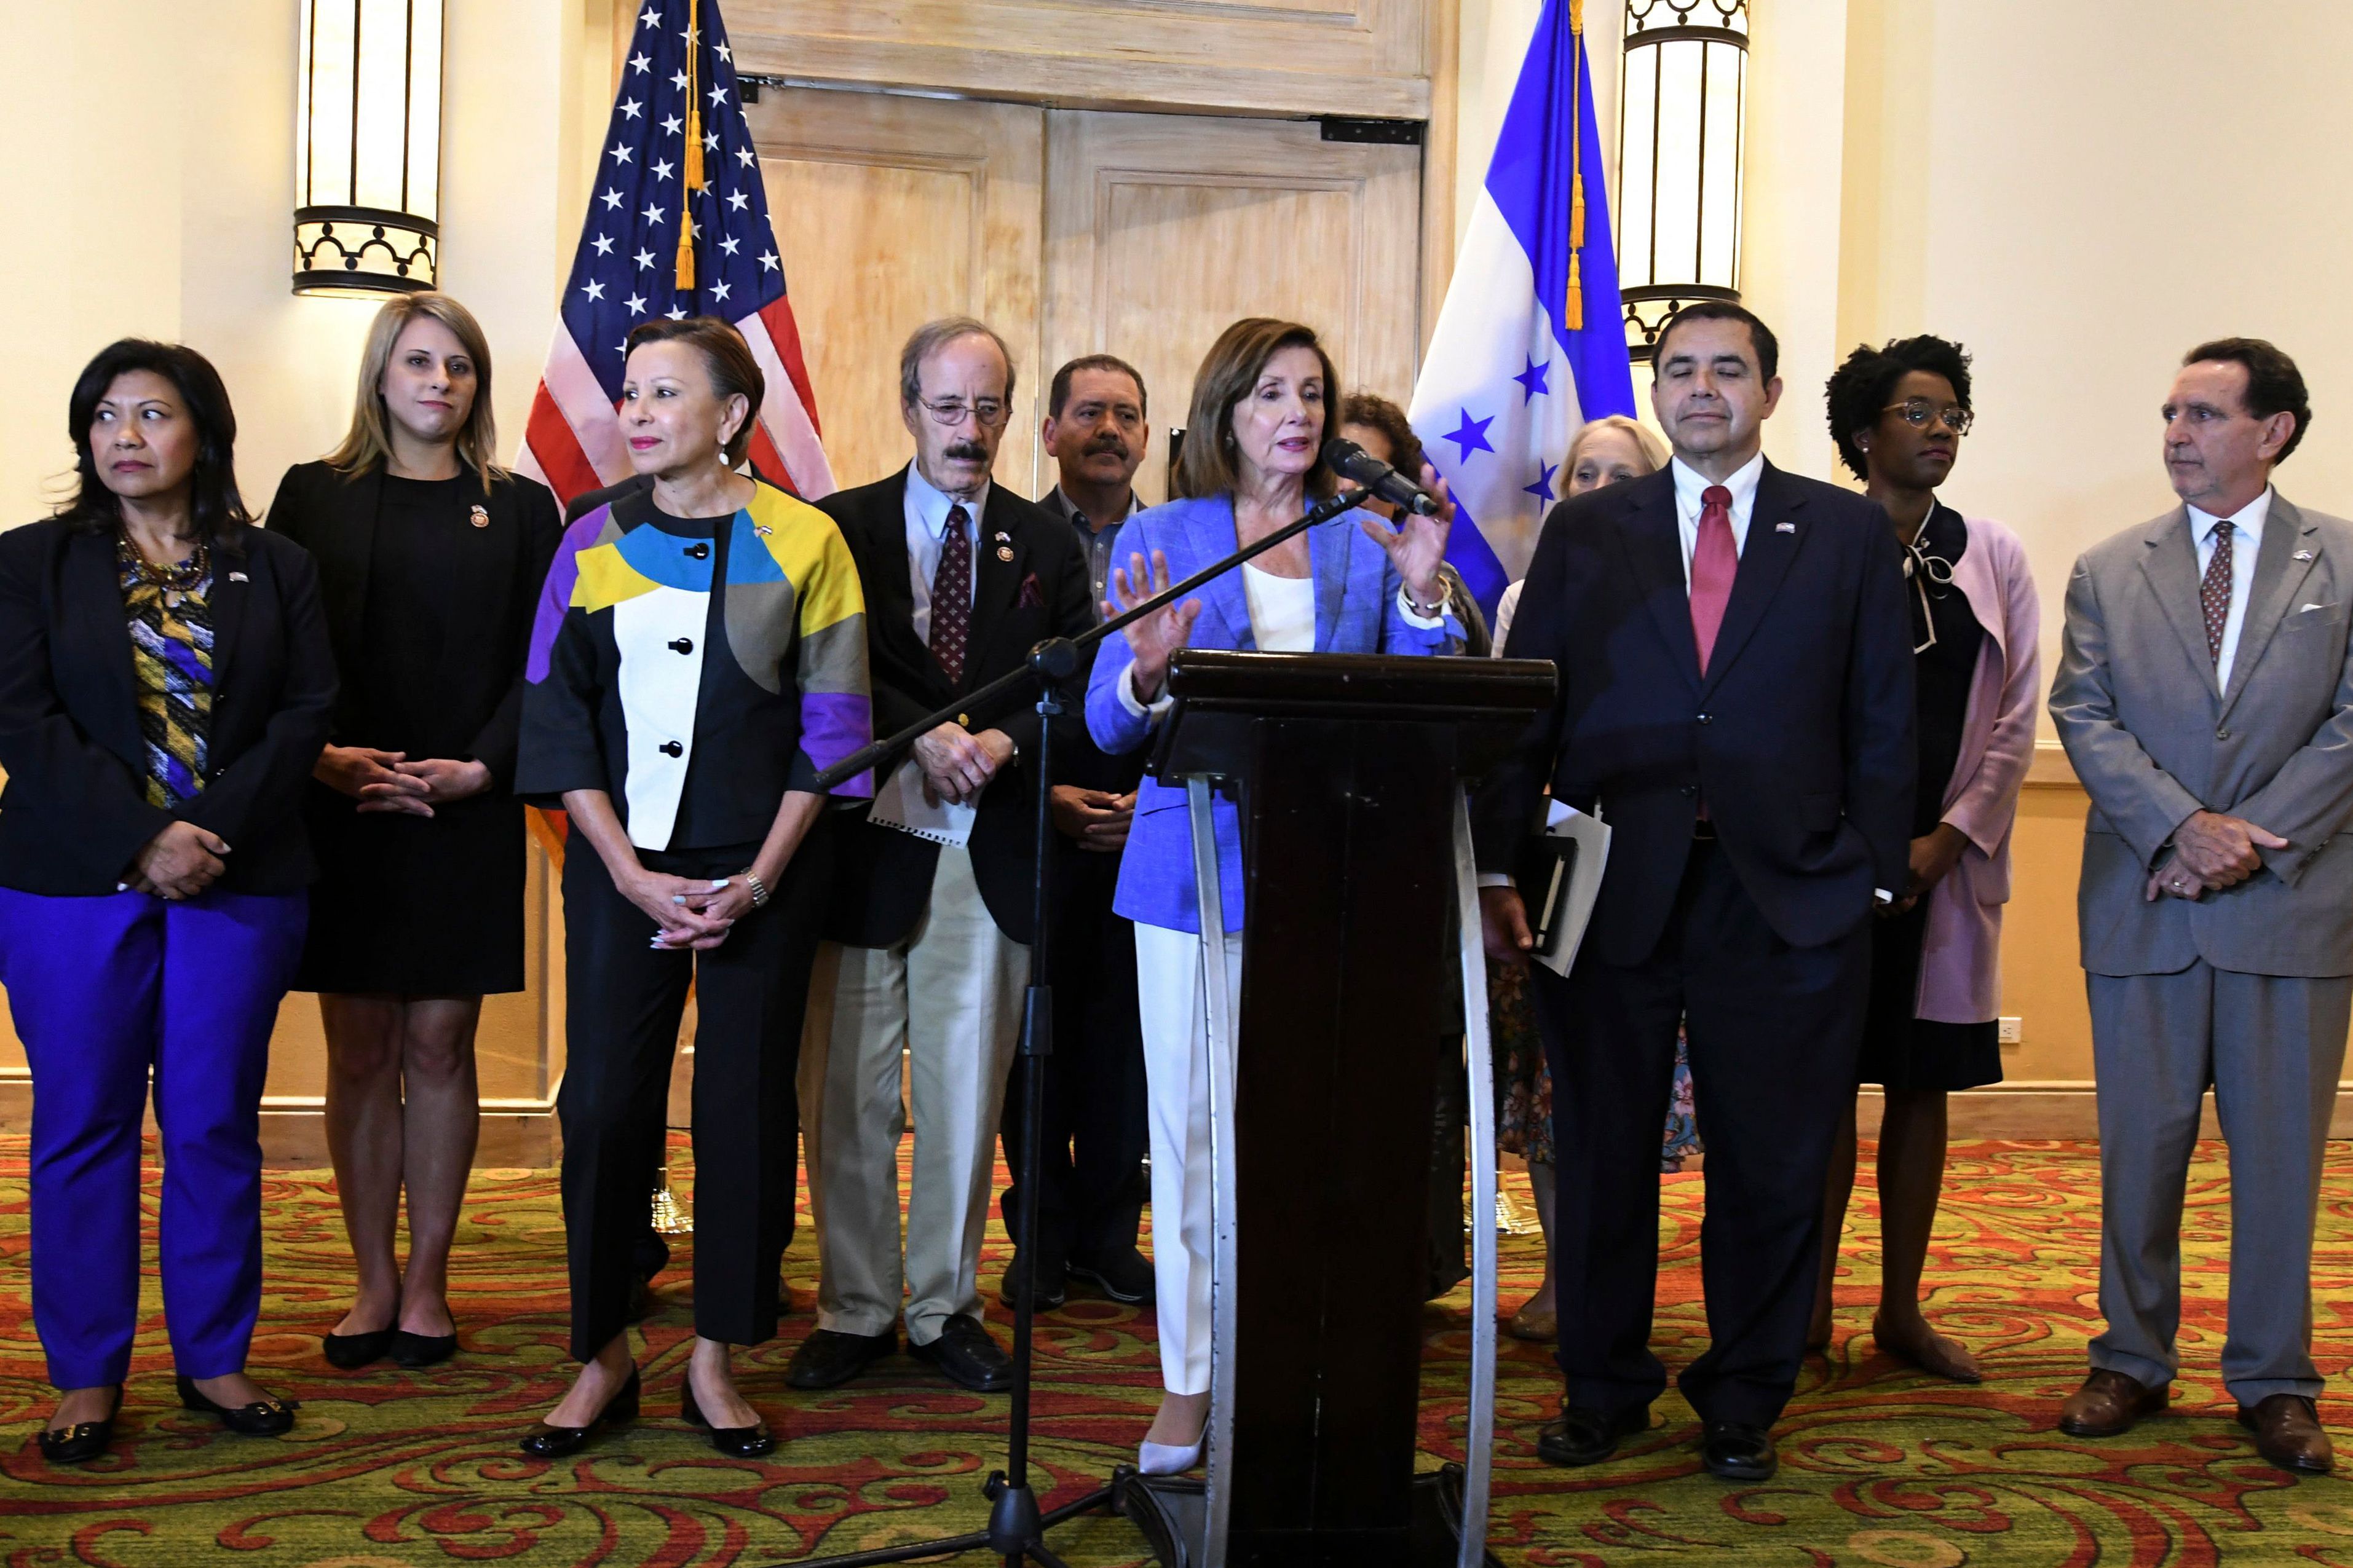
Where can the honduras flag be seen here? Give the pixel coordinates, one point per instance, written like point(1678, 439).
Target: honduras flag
point(1530, 343)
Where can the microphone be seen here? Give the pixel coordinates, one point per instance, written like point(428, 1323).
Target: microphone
point(1358, 466)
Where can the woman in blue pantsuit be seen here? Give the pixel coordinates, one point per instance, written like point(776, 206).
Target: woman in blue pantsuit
point(164, 687)
point(1261, 404)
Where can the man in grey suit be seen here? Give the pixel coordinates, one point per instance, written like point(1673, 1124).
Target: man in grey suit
point(2205, 696)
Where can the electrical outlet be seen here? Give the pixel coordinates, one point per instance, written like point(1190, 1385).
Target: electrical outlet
point(2011, 1031)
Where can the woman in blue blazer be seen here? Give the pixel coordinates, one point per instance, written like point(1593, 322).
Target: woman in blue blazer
point(1260, 405)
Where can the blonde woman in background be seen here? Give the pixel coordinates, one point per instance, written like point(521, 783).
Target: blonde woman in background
point(1608, 451)
point(430, 557)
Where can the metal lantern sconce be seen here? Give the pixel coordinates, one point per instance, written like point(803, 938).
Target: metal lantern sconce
point(367, 161)
point(1682, 106)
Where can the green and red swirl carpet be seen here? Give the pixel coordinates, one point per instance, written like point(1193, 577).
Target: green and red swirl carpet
point(1880, 1464)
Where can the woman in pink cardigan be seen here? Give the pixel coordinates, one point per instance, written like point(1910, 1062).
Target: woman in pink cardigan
point(1898, 415)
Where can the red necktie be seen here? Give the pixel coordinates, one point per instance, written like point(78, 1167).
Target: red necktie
point(951, 597)
point(1714, 562)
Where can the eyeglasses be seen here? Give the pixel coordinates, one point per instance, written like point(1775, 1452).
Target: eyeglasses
point(951, 411)
point(1918, 411)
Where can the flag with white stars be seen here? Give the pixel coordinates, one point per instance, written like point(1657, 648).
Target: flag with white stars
point(1530, 343)
point(677, 226)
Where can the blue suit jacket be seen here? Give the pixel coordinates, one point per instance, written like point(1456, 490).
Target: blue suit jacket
point(1799, 734)
point(1357, 611)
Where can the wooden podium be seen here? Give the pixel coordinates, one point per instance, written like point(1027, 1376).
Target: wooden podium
point(1348, 771)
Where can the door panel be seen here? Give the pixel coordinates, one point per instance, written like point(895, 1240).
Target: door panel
point(1161, 230)
point(891, 211)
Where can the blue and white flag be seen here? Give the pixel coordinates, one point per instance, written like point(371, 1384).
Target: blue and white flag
point(1530, 343)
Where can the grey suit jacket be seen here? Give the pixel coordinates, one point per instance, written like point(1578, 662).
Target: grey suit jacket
point(2153, 739)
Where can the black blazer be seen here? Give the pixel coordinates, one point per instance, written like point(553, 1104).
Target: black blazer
point(480, 682)
point(1799, 734)
point(884, 877)
point(76, 810)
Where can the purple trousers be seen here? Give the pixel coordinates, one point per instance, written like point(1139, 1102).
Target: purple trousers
point(103, 991)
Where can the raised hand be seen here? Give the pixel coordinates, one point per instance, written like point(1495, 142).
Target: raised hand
point(1416, 546)
point(1157, 635)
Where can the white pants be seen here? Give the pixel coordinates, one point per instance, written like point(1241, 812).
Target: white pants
point(1176, 1015)
point(947, 1004)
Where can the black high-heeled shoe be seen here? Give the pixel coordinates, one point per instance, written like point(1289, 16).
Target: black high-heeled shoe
point(735, 1442)
point(262, 1418)
point(83, 1441)
point(544, 1441)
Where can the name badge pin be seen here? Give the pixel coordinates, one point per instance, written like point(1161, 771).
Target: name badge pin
point(482, 516)
point(1004, 551)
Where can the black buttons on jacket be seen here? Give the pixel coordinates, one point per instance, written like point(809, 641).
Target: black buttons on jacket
point(1707, 719)
point(698, 551)
point(2222, 734)
point(672, 749)
point(681, 644)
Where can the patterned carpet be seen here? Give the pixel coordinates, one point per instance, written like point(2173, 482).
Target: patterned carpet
point(1879, 1466)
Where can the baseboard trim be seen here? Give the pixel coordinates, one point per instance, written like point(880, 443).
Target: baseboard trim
point(2031, 1111)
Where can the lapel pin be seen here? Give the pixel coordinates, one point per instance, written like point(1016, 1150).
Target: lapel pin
point(1005, 552)
point(1785, 528)
point(481, 517)
point(237, 577)
point(762, 530)
point(2303, 555)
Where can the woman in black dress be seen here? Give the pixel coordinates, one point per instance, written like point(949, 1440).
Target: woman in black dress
point(1898, 415)
point(430, 559)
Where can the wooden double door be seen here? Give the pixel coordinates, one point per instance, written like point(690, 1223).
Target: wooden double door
point(1076, 232)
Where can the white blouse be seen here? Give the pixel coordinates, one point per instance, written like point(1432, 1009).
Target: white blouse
point(1281, 611)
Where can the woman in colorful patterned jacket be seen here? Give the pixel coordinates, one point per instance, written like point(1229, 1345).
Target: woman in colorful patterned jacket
point(165, 687)
point(700, 658)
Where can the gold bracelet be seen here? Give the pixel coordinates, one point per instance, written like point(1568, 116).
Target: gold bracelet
point(759, 888)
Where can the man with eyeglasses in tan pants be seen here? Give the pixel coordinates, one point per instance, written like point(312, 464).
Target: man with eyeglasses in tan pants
point(927, 963)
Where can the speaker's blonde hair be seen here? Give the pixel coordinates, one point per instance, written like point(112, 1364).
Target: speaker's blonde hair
point(368, 443)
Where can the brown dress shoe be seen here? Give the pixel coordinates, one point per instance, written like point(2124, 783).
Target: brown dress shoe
point(2108, 1405)
point(2287, 1433)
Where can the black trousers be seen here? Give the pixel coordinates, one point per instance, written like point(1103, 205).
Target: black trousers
point(1090, 1191)
point(1775, 1033)
point(623, 1003)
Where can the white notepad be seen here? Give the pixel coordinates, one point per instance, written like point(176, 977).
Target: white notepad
point(900, 803)
point(1576, 849)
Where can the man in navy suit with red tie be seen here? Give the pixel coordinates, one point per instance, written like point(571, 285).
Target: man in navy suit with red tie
point(1736, 701)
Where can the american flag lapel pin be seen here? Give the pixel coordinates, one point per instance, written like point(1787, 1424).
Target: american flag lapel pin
point(482, 516)
point(1785, 528)
point(2302, 555)
point(237, 577)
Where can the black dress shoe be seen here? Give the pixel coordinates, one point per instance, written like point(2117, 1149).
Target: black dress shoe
point(1736, 1451)
point(735, 1442)
point(547, 1442)
point(83, 1441)
point(968, 1354)
point(1123, 1276)
point(351, 1352)
point(1580, 1436)
point(829, 1357)
point(1054, 1289)
point(415, 1351)
point(262, 1418)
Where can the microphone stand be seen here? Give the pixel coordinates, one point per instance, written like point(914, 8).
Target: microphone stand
point(1016, 1528)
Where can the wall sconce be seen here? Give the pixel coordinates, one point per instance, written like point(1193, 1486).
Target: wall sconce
point(367, 139)
point(1681, 106)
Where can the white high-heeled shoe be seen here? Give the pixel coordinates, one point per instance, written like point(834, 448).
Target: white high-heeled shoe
point(1163, 1459)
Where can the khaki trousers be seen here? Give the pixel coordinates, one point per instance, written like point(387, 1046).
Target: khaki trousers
point(941, 1008)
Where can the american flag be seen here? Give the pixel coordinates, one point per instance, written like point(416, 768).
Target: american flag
point(677, 226)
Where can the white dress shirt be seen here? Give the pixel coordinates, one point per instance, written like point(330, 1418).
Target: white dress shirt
point(927, 529)
point(2249, 521)
point(1691, 487)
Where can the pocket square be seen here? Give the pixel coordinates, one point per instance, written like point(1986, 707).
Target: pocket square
point(1032, 596)
point(2306, 609)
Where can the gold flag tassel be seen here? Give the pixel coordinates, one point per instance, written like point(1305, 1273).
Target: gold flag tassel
point(1572, 315)
point(693, 170)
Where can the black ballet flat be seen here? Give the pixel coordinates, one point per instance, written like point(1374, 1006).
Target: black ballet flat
point(735, 1442)
point(415, 1351)
point(262, 1418)
point(83, 1442)
point(349, 1352)
point(547, 1442)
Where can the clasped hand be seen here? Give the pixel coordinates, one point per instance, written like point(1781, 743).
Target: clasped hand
point(693, 915)
point(387, 781)
point(957, 765)
point(2211, 851)
point(178, 863)
point(1096, 819)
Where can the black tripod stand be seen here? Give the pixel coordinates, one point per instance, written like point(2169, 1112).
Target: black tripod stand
point(1016, 1528)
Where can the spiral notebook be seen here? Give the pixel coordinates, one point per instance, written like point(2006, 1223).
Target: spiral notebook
point(900, 803)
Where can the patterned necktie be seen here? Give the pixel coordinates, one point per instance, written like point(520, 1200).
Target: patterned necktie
point(2214, 592)
point(1714, 562)
point(952, 596)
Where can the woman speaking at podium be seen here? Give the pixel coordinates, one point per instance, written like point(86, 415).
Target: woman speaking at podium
point(1261, 403)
